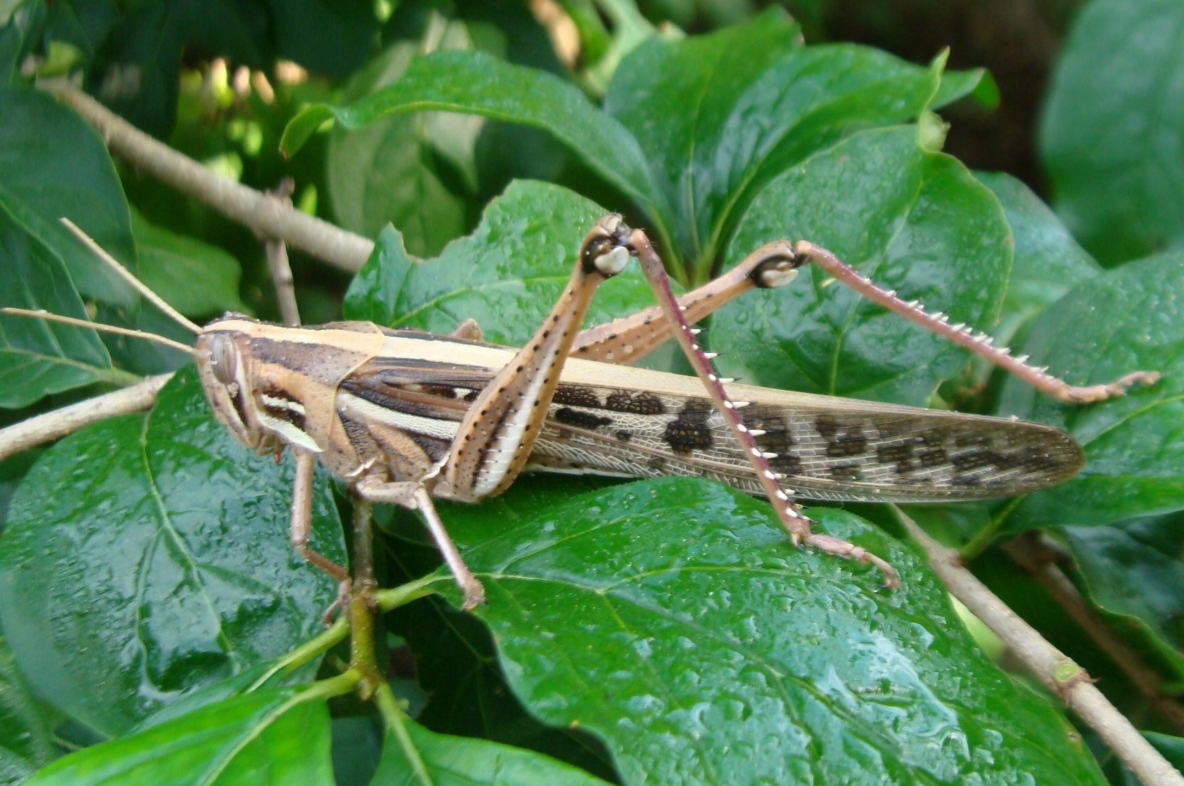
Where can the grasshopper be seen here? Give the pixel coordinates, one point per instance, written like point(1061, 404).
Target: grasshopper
point(405, 417)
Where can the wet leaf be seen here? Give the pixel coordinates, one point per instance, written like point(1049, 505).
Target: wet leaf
point(26, 742)
point(720, 115)
point(913, 221)
point(1048, 261)
point(456, 664)
point(272, 736)
point(153, 550)
point(674, 620)
point(506, 275)
point(1125, 320)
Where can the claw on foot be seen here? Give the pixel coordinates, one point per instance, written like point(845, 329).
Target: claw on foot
point(841, 548)
point(1089, 394)
point(341, 603)
point(474, 595)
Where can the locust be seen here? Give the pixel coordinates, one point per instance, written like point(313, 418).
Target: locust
point(406, 417)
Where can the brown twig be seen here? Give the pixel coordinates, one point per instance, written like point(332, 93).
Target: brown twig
point(60, 422)
point(247, 206)
point(1049, 665)
point(277, 260)
point(1035, 558)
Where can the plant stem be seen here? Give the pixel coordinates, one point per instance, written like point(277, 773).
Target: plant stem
point(361, 602)
point(267, 216)
point(1036, 559)
point(67, 420)
point(983, 538)
point(394, 718)
point(1049, 665)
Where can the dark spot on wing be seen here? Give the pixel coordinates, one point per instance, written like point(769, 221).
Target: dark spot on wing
point(575, 417)
point(635, 403)
point(689, 431)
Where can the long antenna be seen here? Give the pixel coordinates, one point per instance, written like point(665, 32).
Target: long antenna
point(49, 316)
point(152, 297)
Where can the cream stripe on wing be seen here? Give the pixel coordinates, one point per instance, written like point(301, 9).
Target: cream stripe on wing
point(366, 411)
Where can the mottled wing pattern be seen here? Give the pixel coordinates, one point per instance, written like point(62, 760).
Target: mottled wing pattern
point(869, 454)
point(633, 423)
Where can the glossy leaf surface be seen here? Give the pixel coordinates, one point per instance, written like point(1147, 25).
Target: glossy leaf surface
point(506, 275)
point(25, 739)
point(265, 737)
point(1048, 262)
point(912, 221)
point(154, 550)
point(1124, 320)
point(673, 619)
point(720, 115)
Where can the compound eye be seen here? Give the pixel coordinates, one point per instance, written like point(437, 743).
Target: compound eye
point(223, 359)
point(594, 248)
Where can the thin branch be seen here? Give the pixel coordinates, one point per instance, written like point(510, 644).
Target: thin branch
point(1048, 664)
point(1037, 559)
point(60, 422)
point(277, 260)
point(247, 206)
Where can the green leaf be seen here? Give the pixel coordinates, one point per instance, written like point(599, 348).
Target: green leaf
point(720, 115)
point(1133, 574)
point(1048, 261)
point(456, 761)
point(457, 666)
point(674, 620)
point(913, 221)
point(1112, 135)
point(196, 278)
point(272, 736)
point(26, 742)
point(398, 169)
point(476, 83)
point(976, 83)
point(1127, 320)
point(53, 165)
point(679, 98)
point(38, 358)
point(153, 550)
point(21, 29)
point(506, 275)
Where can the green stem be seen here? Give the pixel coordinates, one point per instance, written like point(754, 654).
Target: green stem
point(361, 602)
point(395, 597)
point(985, 536)
point(314, 647)
point(394, 718)
point(340, 685)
